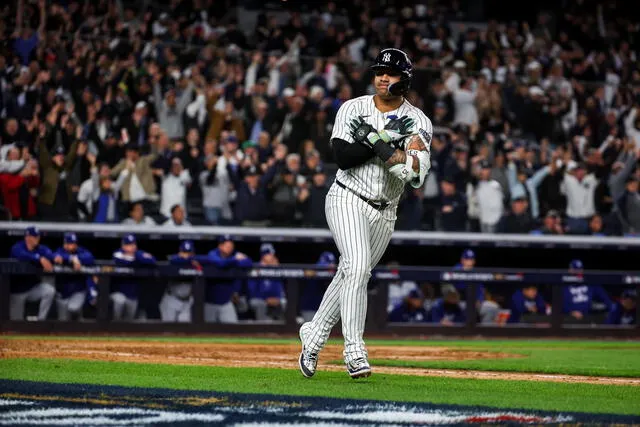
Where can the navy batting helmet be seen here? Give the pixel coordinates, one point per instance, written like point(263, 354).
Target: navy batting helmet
point(397, 60)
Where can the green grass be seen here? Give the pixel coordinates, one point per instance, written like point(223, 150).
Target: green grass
point(595, 358)
point(609, 363)
point(497, 393)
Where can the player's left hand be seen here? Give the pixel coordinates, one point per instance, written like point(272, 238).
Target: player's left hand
point(396, 130)
point(362, 132)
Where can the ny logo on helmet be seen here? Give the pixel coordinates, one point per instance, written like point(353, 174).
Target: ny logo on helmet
point(386, 57)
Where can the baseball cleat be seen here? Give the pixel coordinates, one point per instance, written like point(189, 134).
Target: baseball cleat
point(358, 368)
point(307, 360)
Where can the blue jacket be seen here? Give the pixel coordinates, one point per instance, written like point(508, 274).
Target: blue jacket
point(312, 292)
point(265, 288)
point(520, 305)
point(69, 284)
point(129, 285)
point(401, 313)
point(440, 311)
point(21, 253)
point(462, 287)
point(220, 291)
point(617, 316)
point(580, 297)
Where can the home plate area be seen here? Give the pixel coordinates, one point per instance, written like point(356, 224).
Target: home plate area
point(25, 403)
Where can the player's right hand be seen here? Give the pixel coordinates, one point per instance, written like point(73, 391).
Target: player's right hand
point(46, 264)
point(362, 132)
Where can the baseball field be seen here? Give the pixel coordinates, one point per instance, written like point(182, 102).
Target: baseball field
point(77, 380)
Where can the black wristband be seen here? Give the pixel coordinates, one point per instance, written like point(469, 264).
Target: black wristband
point(383, 150)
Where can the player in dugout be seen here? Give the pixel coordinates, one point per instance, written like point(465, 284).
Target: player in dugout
point(221, 295)
point(267, 296)
point(578, 299)
point(448, 310)
point(624, 312)
point(177, 300)
point(410, 310)
point(126, 289)
point(73, 289)
point(33, 287)
point(526, 301)
point(487, 309)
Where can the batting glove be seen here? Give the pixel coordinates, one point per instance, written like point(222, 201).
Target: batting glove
point(396, 130)
point(362, 132)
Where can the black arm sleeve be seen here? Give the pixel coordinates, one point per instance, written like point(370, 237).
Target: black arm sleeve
point(350, 155)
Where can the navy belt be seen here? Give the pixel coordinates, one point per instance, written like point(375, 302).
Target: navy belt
point(379, 206)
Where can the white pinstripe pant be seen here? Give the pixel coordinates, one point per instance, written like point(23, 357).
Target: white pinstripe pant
point(361, 235)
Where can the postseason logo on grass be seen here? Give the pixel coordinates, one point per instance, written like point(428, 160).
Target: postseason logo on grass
point(33, 412)
point(53, 404)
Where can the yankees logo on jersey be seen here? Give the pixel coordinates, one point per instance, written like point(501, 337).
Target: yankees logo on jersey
point(372, 179)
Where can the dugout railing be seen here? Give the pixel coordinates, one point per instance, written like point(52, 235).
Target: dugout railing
point(296, 273)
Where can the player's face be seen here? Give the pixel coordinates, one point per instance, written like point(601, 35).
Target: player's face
point(226, 248)
point(130, 248)
point(32, 241)
point(383, 79)
point(414, 303)
point(530, 292)
point(468, 263)
point(70, 247)
point(269, 259)
point(452, 298)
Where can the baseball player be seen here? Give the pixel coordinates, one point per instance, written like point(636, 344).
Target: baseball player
point(448, 310)
point(577, 299)
point(72, 289)
point(410, 309)
point(487, 310)
point(525, 301)
point(266, 296)
point(126, 289)
point(220, 294)
point(177, 300)
point(624, 311)
point(380, 143)
point(32, 288)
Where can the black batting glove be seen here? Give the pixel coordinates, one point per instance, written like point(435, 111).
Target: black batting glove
point(362, 132)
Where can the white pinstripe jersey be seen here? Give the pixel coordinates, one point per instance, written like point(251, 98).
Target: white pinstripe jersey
point(372, 179)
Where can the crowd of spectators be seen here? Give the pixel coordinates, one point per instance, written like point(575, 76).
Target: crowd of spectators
point(177, 115)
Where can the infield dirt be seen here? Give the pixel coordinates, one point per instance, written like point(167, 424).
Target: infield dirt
point(282, 356)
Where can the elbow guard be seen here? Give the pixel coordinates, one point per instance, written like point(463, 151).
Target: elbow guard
point(425, 165)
